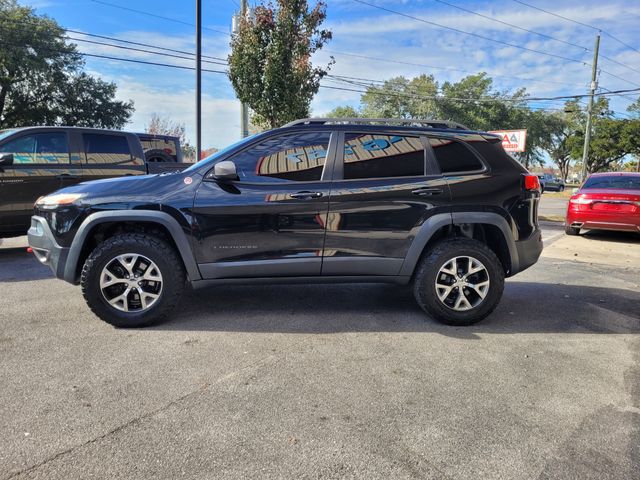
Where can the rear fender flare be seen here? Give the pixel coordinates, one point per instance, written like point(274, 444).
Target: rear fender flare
point(433, 224)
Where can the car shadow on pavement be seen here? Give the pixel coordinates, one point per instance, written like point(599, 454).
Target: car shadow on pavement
point(527, 307)
point(17, 265)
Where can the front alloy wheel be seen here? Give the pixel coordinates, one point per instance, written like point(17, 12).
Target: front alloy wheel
point(131, 282)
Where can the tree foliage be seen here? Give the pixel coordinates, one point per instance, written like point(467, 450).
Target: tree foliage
point(41, 78)
point(270, 63)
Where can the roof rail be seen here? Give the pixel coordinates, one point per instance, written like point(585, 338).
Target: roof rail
point(378, 121)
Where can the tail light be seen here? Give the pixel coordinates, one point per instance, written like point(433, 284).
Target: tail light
point(580, 200)
point(531, 182)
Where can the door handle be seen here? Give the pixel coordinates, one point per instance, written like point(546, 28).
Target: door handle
point(68, 176)
point(427, 191)
point(305, 195)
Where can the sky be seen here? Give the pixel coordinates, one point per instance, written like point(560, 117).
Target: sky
point(397, 45)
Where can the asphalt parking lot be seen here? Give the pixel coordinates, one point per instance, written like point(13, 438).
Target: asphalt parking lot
point(334, 381)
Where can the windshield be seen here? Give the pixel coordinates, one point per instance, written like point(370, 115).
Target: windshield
point(210, 160)
point(5, 133)
point(622, 182)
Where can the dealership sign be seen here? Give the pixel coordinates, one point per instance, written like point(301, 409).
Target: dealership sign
point(512, 140)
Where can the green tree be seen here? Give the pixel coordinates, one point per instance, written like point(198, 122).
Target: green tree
point(41, 78)
point(343, 112)
point(270, 62)
point(613, 140)
point(400, 97)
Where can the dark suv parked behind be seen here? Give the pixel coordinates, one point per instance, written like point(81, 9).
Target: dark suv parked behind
point(425, 203)
point(36, 161)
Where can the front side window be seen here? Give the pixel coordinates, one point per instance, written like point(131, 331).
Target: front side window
point(382, 156)
point(297, 158)
point(101, 148)
point(47, 148)
point(454, 157)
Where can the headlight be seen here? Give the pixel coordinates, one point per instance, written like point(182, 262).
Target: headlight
point(58, 199)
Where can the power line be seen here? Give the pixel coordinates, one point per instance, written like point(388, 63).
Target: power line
point(544, 35)
point(536, 33)
point(111, 45)
point(169, 19)
point(540, 52)
point(115, 39)
point(400, 62)
point(578, 23)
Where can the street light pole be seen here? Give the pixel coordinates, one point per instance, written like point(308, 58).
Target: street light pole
point(594, 85)
point(244, 108)
point(198, 79)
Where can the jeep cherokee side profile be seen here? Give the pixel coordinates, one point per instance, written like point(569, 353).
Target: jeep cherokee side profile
point(424, 203)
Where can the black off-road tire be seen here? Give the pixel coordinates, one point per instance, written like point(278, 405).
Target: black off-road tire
point(569, 230)
point(155, 249)
point(424, 288)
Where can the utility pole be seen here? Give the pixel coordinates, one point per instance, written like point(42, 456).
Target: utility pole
point(198, 79)
point(244, 108)
point(594, 86)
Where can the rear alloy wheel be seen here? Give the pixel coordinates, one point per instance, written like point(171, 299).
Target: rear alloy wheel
point(459, 282)
point(133, 280)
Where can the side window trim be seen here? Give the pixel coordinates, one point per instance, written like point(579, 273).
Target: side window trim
point(464, 144)
point(328, 170)
point(432, 167)
point(338, 173)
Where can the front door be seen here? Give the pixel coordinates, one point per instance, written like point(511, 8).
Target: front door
point(271, 221)
point(383, 191)
point(40, 162)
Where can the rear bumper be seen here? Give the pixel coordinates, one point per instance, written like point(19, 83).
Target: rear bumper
point(623, 223)
point(528, 251)
point(45, 248)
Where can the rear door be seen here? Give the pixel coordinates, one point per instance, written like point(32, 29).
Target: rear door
point(110, 155)
point(40, 162)
point(385, 187)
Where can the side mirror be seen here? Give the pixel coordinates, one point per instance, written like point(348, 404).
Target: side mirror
point(6, 159)
point(225, 170)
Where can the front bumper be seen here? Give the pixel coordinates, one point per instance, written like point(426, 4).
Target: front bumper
point(45, 247)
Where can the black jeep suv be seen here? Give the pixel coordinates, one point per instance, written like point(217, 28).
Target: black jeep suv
point(425, 203)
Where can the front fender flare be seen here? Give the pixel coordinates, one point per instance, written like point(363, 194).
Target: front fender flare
point(161, 218)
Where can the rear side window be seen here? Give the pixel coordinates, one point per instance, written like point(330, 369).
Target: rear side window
point(47, 148)
point(167, 146)
point(101, 148)
point(382, 156)
point(454, 156)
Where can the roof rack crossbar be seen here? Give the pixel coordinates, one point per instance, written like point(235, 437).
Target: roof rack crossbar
point(378, 121)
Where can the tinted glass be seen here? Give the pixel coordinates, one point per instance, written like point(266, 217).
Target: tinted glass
point(167, 146)
point(382, 156)
point(106, 148)
point(453, 156)
point(39, 148)
point(623, 182)
point(298, 158)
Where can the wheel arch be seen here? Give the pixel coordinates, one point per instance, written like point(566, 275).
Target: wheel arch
point(489, 228)
point(106, 223)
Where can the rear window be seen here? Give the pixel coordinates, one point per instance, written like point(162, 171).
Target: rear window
point(101, 148)
point(621, 182)
point(454, 156)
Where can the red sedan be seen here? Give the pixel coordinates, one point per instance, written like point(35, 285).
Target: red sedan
point(606, 201)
